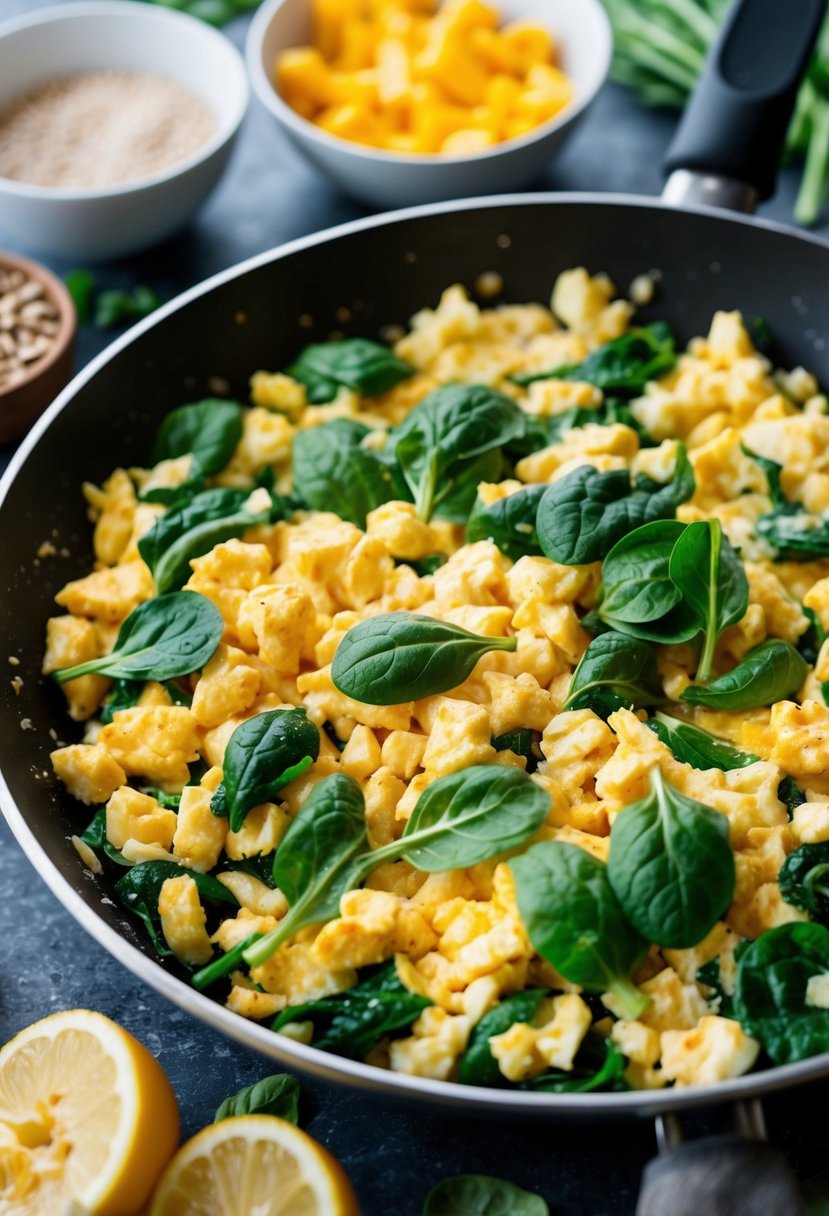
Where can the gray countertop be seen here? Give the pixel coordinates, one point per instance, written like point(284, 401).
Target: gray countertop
point(394, 1153)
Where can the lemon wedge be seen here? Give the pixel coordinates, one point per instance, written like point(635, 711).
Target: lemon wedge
point(87, 1119)
point(253, 1165)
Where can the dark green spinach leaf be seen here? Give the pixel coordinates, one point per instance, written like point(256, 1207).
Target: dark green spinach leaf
point(277, 1095)
point(403, 656)
point(671, 866)
point(638, 595)
point(139, 889)
point(161, 639)
point(482, 1195)
point(804, 880)
point(615, 672)
point(352, 1022)
point(264, 753)
point(366, 367)
point(770, 672)
point(575, 921)
point(123, 694)
point(477, 1065)
point(509, 522)
point(696, 747)
point(622, 367)
point(209, 429)
point(791, 795)
point(712, 582)
point(96, 837)
point(599, 1064)
point(523, 742)
point(333, 472)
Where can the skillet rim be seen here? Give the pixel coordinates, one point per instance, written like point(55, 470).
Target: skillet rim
point(253, 1035)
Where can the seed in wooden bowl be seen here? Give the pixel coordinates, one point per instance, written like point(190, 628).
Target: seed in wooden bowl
point(29, 323)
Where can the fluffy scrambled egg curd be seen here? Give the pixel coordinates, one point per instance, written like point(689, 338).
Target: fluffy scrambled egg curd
point(453, 943)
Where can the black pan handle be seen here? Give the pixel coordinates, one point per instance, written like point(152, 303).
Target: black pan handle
point(735, 123)
point(731, 1175)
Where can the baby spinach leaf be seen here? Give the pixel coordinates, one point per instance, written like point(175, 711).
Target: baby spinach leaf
point(477, 1065)
point(638, 595)
point(622, 367)
point(804, 880)
point(193, 528)
point(523, 742)
point(123, 694)
point(277, 1095)
point(209, 429)
point(446, 431)
point(428, 565)
point(139, 889)
point(402, 656)
point(772, 471)
point(712, 582)
point(264, 753)
point(770, 672)
point(352, 1022)
point(320, 857)
point(96, 837)
point(467, 817)
point(615, 672)
point(162, 639)
point(791, 795)
point(332, 472)
point(811, 640)
point(482, 1195)
point(509, 522)
point(671, 866)
point(457, 501)
point(575, 921)
point(582, 516)
point(796, 534)
point(366, 367)
point(710, 975)
point(770, 991)
point(696, 747)
point(599, 1064)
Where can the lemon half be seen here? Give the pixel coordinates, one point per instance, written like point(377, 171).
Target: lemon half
point(253, 1165)
point(87, 1119)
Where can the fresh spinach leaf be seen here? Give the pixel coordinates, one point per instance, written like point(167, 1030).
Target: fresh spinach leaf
point(96, 837)
point(458, 499)
point(811, 640)
point(332, 472)
point(796, 534)
point(123, 694)
point(428, 565)
point(139, 889)
point(804, 880)
point(638, 595)
point(402, 656)
point(161, 639)
point(712, 582)
point(599, 1064)
point(622, 367)
point(115, 308)
point(467, 817)
point(352, 1022)
point(477, 1065)
point(320, 857)
point(582, 516)
point(696, 747)
point(209, 429)
point(615, 672)
point(772, 471)
point(770, 991)
point(575, 921)
point(277, 1095)
point(264, 753)
point(193, 528)
point(366, 367)
point(523, 742)
point(791, 795)
point(482, 1195)
point(710, 975)
point(671, 866)
point(438, 441)
point(770, 672)
point(509, 522)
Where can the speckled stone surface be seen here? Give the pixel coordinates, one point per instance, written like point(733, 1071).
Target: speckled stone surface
point(394, 1153)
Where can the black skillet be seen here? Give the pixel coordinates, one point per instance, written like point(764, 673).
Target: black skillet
point(357, 279)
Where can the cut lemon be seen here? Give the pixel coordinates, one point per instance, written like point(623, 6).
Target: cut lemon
point(87, 1119)
point(254, 1165)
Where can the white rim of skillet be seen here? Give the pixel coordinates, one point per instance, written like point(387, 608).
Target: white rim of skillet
point(226, 128)
point(253, 1035)
point(270, 97)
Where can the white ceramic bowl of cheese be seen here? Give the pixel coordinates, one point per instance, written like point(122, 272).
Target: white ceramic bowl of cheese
point(120, 35)
point(582, 32)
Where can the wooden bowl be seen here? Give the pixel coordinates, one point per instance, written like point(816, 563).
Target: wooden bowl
point(23, 402)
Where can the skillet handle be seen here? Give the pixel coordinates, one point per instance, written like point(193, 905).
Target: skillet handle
point(732, 1175)
point(728, 145)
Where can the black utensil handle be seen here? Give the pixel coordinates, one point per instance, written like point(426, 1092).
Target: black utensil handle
point(735, 123)
point(719, 1176)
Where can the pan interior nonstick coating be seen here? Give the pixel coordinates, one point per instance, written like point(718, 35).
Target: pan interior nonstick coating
point(358, 282)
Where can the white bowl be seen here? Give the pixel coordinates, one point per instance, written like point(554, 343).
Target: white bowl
point(112, 221)
point(391, 179)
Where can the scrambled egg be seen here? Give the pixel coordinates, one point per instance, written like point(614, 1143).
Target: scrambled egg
point(289, 591)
